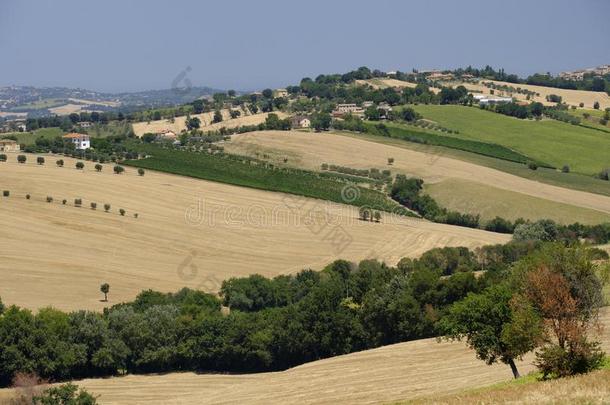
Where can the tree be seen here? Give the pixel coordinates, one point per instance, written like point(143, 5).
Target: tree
point(496, 327)
point(321, 121)
point(141, 171)
point(193, 123)
point(596, 105)
point(80, 165)
point(372, 113)
point(98, 167)
point(22, 158)
point(122, 212)
point(409, 114)
point(60, 163)
point(267, 93)
point(391, 161)
point(105, 288)
point(118, 169)
point(377, 216)
point(217, 117)
point(93, 205)
point(40, 160)
point(106, 207)
point(365, 213)
point(3, 157)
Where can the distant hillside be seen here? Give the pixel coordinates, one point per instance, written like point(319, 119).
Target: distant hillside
point(16, 101)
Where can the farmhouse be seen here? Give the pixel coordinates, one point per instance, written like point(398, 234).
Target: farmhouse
point(85, 124)
point(280, 93)
point(9, 145)
point(166, 135)
point(80, 141)
point(489, 100)
point(21, 127)
point(343, 109)
point(301, 121)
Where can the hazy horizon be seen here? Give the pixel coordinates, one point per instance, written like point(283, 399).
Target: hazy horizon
point(130, 46)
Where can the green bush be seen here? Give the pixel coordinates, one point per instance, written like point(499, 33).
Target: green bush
point(78, 202)
point(64, 201)
point(49, 199)
point(40, 160)
point(118, 169)
point(80, 165)
point(22, 158)
point(556, 362)
point(141, 171)
point(60, 163)
point(106, 207)
point(98, 167)
point(122, 212)
point(6, 193)
point(93, 206)
point(3, 157)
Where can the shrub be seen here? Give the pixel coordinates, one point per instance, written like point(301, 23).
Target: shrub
point(3, 158)
point(122, 212)
point(141, 171)
point(93, 205)
point(60, 163)
point(64, 201)
point(22, 158)
point(119, 169)
point(66, 394)
point(377, 216)
point(6, 193)
point(27, 196)
point(390, 160)
point(532, 165)
point(80, 165)
point(581, 105)
point(99, 167)
point(604, 174)
point(556, 362)
point(78, 202)
point(49, 199)
point(135, 215)
point(106, 207)
point(565, 169)
point(40, 160)
point(596, 105)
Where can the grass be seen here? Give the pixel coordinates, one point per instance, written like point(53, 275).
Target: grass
point(549, 176)
point(29, 138)
point(243, 171)
point(400, 131)
point(589, 388)
point(584, 150)
point(39, 105)
point(475, 198)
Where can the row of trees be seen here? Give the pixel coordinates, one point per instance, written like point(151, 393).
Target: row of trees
point(288, 320)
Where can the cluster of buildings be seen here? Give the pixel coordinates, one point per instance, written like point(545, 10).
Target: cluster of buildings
point(485, 99)
point(341, 110)
point(580, 74)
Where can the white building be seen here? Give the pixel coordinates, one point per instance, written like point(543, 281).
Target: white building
point(484, 99)
point(301, 121)
point(280, 93)
point(80, 141)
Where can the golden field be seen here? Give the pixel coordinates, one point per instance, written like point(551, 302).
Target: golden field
point(189, 233)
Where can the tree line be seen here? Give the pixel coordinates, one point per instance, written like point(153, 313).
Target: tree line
point(278, 323)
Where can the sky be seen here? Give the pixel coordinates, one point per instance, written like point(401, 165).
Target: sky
point(128, 45)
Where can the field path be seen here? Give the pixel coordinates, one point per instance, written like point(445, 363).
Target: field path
point(189, 233)
point(310, 150)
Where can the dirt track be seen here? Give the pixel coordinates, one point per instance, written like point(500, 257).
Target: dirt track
point(312, 149)
point(189, 233)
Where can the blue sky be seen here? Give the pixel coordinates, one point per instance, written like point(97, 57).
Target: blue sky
point(137, 45)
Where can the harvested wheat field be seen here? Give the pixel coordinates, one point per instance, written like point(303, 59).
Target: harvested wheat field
point(310, 150)
point(397, 372)
point(189, 232)
point(141, 128)
point(570, 97)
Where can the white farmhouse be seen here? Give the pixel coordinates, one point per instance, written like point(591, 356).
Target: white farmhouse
point(80, 141)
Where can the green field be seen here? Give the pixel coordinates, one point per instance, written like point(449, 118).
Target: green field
point(404, 132)
point(39, 105)
point(28, 138)
point(584, 150)
point(247, 172)
point(475, 198)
